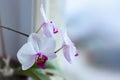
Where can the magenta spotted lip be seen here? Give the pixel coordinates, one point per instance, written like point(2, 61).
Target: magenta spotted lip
point(41, 59)
point(76, 54)
point(55, 30)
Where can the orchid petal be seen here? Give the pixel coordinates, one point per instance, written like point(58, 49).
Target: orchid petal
point(67, 40)
point(34, 39)
point(65, 37)
point(42, 44)
point(48, 30)
point(66, 50)
point(68, 46)
point(26, 55)
point(28, 62)
point(47, 45)
point(72, 50)
point(51, 56)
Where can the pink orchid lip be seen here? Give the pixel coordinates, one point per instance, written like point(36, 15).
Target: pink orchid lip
point(55, 30)
point(41, 60)
point(76, 54)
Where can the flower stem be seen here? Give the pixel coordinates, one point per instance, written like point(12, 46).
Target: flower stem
point(40, 28)
point(4, 54)
point(15, 31)
point(58, 50)
point(3, 43)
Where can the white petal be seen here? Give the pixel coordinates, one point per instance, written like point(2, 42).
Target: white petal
point(26, 56)
point(42, 44)
point(47, 45)
point(34, 39)
point(28, 62)
point(68, 41)
point(51, 56)
point(72, 50)
point(43, 14)
point(65, 37)
point(48, 30)
point(66, 51)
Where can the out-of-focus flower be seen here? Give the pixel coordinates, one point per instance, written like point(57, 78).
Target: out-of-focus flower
point(68, 47)
point(37, 49)
point(48, 27)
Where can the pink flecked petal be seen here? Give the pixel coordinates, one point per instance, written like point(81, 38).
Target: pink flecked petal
point(66, 52)
point(68, 47)
point(48, 31)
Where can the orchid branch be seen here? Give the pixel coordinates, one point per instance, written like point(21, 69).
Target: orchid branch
point(3, 43)
point(58, 50)
point(40, 28)
point(24, 34)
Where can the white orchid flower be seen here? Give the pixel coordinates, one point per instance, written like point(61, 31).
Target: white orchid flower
point(68, 47)
point(37, 50)
point(48, 27)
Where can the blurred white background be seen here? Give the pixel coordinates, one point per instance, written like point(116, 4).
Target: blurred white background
point(94, 25)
